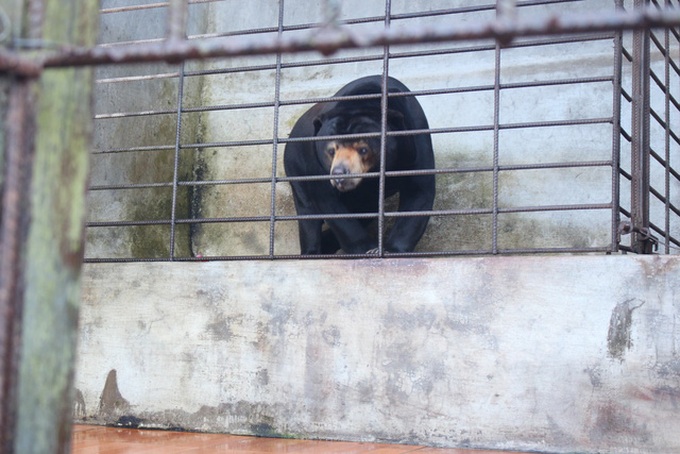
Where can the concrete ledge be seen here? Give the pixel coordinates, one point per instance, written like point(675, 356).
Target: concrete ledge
point(559, 353)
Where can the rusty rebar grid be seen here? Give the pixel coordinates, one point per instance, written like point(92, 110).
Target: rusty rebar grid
point(263, 37)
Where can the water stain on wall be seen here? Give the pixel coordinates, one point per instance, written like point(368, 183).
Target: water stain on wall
point(619, 336)
point(112, 403)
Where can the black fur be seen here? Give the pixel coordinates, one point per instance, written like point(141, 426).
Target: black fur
point(416, 193)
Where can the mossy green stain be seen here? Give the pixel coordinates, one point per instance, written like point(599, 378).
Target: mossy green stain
point(156, 204)
point(267, 430)
point(63, 122)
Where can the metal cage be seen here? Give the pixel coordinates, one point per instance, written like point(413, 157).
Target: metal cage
point(635, 166)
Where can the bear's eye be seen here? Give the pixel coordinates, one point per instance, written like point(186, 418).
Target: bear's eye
point(331, 151)
point(363, 151)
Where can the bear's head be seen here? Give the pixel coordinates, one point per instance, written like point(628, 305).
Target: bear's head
point(347, 159)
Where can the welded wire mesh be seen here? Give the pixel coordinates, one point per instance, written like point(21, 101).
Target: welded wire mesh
point(535, 138)
point(650, 146)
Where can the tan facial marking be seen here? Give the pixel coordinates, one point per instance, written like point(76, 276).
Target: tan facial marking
point(350, 156)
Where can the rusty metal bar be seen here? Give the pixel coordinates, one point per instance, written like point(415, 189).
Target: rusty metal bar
point(328, 41)
point(419, 93)
point(668, 132)
point(178, 11)
point(372, 215)
point(275, 135)
point(616, 136)
point(457, 253)
point(135, 149)
point(496, 147)
point(125, 9)
point(178, 147)
point(376, 57)
point(48, 131)
point(15, 193)
point(443, 130)
point(395, 173)
point(506, 9)
point(381, 19)
point(14, 63)
point(506, 14)
point(384, 99)
point(640, 242)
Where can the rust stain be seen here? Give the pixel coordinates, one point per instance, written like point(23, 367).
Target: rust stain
point(615, 421)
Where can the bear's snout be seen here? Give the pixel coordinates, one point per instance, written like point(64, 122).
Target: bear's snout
point(340, 170)
point(343, 184)
point(348, 161)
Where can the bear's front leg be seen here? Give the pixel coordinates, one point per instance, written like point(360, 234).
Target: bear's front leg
point(352, 236)
point(310, 236)
point(416, 194)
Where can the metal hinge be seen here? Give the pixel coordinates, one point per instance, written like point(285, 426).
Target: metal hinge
point(643, 236)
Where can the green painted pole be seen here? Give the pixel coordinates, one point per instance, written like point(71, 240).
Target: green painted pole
point(58, 118)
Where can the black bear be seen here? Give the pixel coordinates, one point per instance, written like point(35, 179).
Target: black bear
point(345, 161)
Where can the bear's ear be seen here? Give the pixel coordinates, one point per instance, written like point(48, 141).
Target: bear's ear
point(396, 119)
point(317, 125)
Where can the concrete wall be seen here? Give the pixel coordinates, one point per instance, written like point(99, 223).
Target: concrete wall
point(208, 161)
point(557, 354)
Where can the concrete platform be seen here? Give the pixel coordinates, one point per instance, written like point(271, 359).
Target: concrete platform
point(552, 354)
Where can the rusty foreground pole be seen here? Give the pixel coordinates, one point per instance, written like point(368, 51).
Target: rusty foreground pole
point(45, 139)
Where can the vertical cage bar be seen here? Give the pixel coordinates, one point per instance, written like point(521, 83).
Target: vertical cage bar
point(275, 135)
point(496, 147)
point(16, 182)
point(384, 101)
point(177, 20)
point(667, 133)
point(60, 127)
point(616, 136)
point(175, 171)
point(506, 9)
point(640, 145)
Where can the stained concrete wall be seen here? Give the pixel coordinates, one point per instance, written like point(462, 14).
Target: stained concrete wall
point(556, 354)
point(454, 191)
point(150, 91)
point(210, 161)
